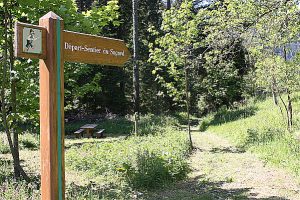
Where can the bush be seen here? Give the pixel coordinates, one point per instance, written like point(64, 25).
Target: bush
point(96, 191)
point(204, 124)
point(147, 161)
point(5, 171)
point(29, 141)
point(263, 132)
point(4, 148)
point(18, 190)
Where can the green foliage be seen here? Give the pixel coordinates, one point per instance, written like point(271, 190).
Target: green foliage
point(4, 148)
point(29, 141)
point(28, 97)
point(10, 189)
point(223, 82)
point(151, 124)
point(261, 131)
point(26, 141)
point(5, 171)
point(283, 152)
point(18, 190)
point(113, 127)
point(26, 72)
point(275, 70)
point(151, 161)
point(242, 43)
point(173, 49)
point(94, 191)
point(114, 167)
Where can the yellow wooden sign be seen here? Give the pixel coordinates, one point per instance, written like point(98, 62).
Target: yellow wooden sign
point(84, 48)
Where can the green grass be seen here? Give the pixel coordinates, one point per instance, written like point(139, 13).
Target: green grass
point(147, 161)
point(260, 128)
point(19, 190)
point(29, 141)
point(4, 148)
point(26, 141)
point(115, 127)
point(120, 166)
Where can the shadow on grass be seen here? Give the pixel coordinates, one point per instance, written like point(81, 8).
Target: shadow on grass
point(182, 119)
point(113, 127)
point(79, 142)
point(221, 150)
point(96, 191)
point(7, 174)
point(153, 172)
point(227, 150)
point(225, 116)
point(150, 173)
point(199, 188)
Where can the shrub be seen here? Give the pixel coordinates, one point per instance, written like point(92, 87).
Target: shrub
point(5, 171)
point(148, 161)
point(4, 148)
point(204, 124)
point(18, 190)
point(263, 132)
point(29, 141)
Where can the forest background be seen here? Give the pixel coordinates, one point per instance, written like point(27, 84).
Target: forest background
point(229, 57)
point(201, 56)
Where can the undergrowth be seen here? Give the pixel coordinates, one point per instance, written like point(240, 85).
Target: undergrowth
point(115, 167)
point(145, 162)
point(261, 128)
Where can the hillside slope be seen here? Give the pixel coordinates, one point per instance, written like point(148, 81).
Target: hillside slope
point(260, 127)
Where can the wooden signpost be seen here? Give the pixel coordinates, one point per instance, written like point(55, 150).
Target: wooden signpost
point(91, 49)
point(50, 43)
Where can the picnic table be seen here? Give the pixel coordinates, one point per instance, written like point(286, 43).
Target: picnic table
point(89, 129)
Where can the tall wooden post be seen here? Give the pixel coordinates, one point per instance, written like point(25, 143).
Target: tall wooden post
point(52, 45)
point(52, 111)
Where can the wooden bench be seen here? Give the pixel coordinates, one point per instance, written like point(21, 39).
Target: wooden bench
point(99, 134)
point(79, 133)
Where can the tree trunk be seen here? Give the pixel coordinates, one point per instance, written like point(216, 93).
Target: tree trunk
point(289, 109)
point(168, 4)
point(13, 98)
point(290, 113)
point(187, 102)
point(275, 100)
point(136, 83)
point(15, 154)
point(274, 91)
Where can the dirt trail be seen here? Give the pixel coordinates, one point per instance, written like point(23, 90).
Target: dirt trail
point(221, 171)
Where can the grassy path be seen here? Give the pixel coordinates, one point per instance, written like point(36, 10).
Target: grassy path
point(221, 171)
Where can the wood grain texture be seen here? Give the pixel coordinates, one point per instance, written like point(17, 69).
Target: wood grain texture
point(84, 48)
point(19, 41)
point(49, 115)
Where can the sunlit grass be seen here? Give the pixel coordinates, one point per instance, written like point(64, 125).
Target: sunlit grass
point(263, 131)
point(114, 167)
